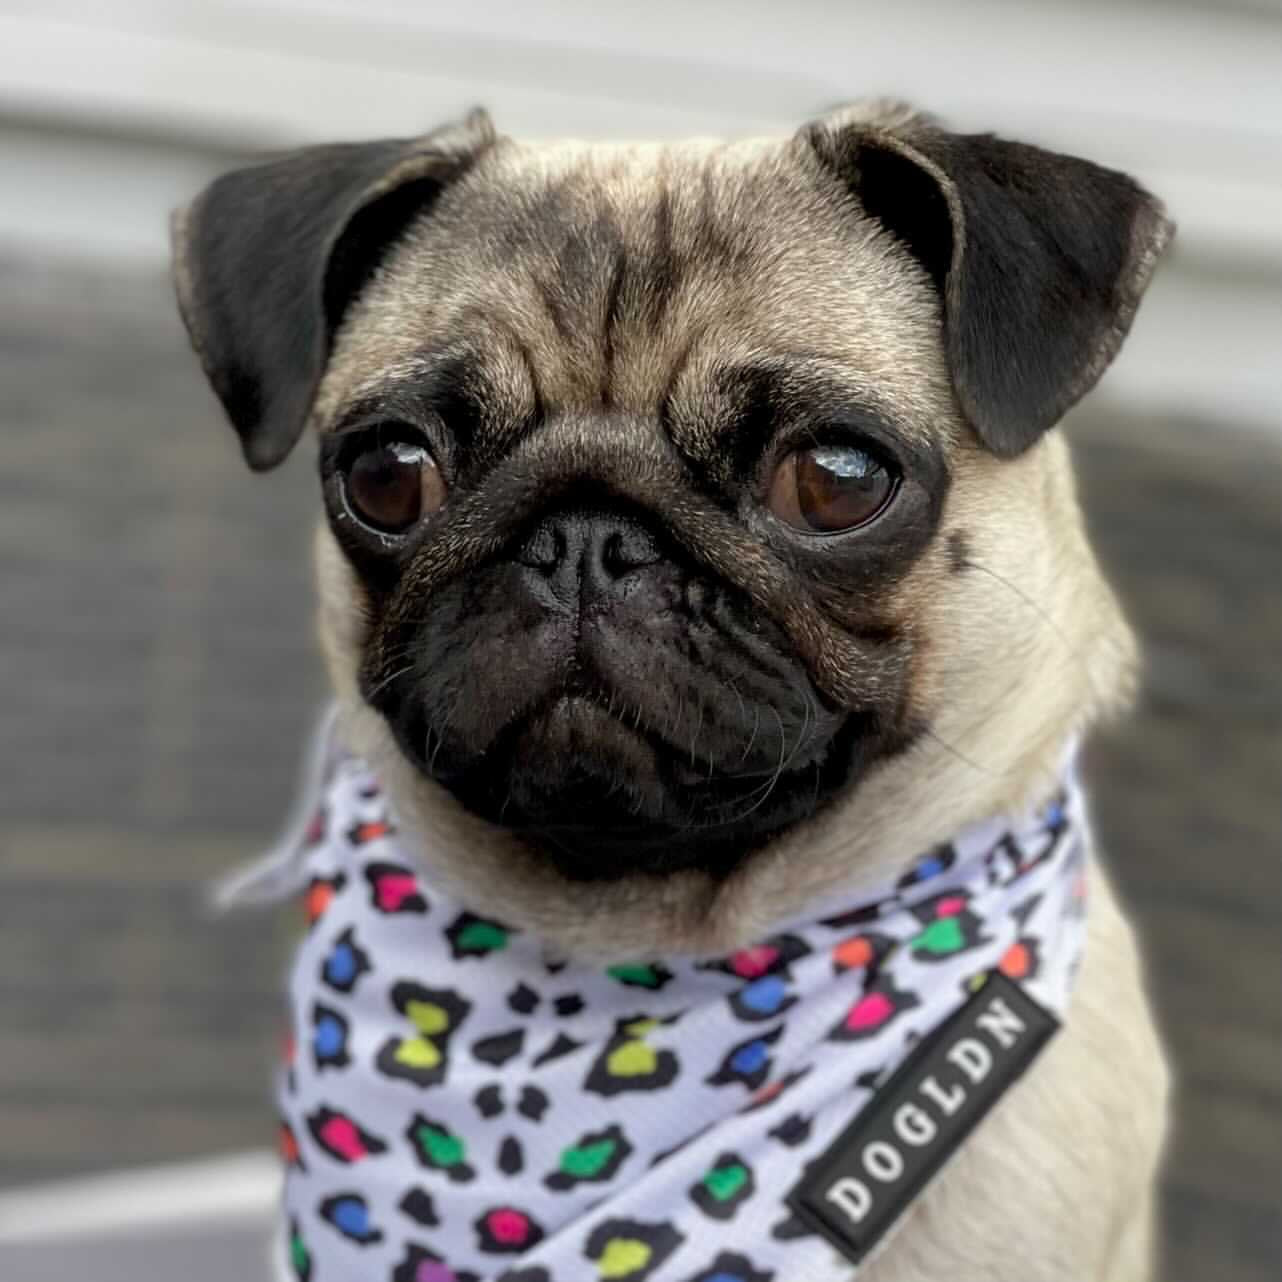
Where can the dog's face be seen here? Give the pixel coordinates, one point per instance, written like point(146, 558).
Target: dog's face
point(681, 500)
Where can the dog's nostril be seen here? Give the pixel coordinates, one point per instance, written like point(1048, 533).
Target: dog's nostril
point(545, 548)
point(588, 547)
point(627, 549)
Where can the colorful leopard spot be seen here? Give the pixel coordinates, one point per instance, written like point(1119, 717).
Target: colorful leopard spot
point(349, 1214)
point(772, 1090)
point(422, 1265)
point(319, 895)
point(439, 1148)
point(506, 1230)
point(930, 865)
point(940, 937)
point(595, 1156)
point(632, 1059)
point(627, 1250)
point(730, 1266)
point(300, 1258)
point(587, 1161)
point(752, 963)
point(854, 953)
point(345, 963)
point(361, 834)
point(436, 1014)
point(628, 1063)
point(640, 975)
point(748, 1063)
point(341, 1137)
point(428, 1017)
point(723, 1182)
point(394, 889)
point(419, 1054)
point(623, 1257)
point(950, 906)
point(472, 936)
point(329, 1038)
point(287, 1145)
point(1020, 960)
point(725, 1188)
point(770, 957)
point(872, 1012)
point(762, 998)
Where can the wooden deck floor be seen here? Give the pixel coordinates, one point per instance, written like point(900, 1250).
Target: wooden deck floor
point(157, 673)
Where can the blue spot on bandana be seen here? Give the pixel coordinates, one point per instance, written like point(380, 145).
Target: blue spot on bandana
point(764, 995)
point(329, 1038)
point(349, 1214)
point(340, 965)
point(747, 1059)
point(352, 1217)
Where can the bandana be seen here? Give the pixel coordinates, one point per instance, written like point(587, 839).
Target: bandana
point(459, 1108)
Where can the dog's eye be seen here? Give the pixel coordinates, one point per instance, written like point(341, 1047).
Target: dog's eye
point(829, 489)
point(391, 486)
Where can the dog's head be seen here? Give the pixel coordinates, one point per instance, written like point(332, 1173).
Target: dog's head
point(693, 539)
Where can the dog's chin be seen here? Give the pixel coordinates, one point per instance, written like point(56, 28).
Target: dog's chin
point(600, 798)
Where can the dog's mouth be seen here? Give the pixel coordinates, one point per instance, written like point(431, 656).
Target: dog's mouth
point(601, 795)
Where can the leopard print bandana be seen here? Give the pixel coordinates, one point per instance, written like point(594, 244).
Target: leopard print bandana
point(459, 1108)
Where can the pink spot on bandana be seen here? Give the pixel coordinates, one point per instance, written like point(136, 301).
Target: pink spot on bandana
point(509, 1227)
point(752, 963)
point(433, 1271)
point(341, 1135)
point(950, 907)
point(394, 889)
point(869, 1011)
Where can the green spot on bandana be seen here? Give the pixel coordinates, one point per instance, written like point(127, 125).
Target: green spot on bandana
point(623, 1256)
point(482, 937)
point(942, 936)
point(723, 1182)
point(632, 1059)
point(588, 1160)
point(635, 973)
point(298, 1255)
point(442, 1148)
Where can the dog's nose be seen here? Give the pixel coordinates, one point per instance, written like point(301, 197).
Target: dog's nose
point(579, 556)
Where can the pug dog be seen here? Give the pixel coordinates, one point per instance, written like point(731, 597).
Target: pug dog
point(697, 548)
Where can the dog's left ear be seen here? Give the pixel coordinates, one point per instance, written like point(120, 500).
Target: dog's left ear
point(266, 260)
point(1040, 258)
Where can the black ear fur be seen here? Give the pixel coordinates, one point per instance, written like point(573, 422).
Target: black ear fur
point(1040, 259)
point(266, 260)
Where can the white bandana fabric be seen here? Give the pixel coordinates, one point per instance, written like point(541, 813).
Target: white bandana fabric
point(458, 1108)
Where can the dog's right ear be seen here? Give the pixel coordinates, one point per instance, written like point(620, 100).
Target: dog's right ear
point(267, 259)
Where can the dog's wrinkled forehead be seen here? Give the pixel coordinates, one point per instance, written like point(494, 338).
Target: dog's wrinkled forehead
point(651, 281)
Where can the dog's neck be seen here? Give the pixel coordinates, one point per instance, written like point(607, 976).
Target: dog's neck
point(848, 850)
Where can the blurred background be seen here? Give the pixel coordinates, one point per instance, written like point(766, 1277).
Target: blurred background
point(157, 672)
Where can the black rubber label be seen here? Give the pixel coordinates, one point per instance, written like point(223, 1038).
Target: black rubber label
point(857, 1190)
